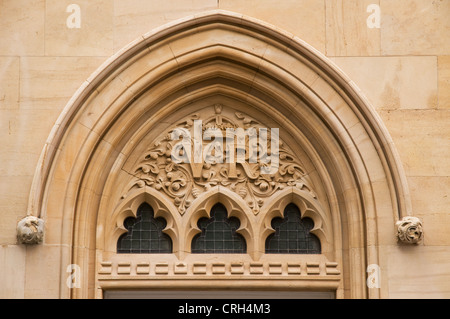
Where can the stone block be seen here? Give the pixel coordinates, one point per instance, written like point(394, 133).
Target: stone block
point(49, 82)
point(348, 33)
point(22, 25)
point(444, 82)
point(394, 82)
point(79, 28)
point(418, 272)
point(132, 19)
point(14, 191)
point(303, 18)
point(421, 138)
point(12, 274)
point(9, 82)
point(415, 27)
point(431, 201)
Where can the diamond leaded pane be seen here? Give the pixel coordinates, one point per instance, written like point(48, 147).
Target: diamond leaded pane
point(144, 234)
point(292, 234)
point(219, 234)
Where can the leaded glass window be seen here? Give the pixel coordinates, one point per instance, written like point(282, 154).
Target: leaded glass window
point(292, 234)
point(144, 234)
point(218, 234)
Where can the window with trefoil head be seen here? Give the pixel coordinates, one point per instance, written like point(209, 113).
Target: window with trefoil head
point(145, 234)
point(218, 234)
point(292, 234)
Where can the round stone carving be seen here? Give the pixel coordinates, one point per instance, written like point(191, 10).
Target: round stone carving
point(409, 230)
point(30, 230)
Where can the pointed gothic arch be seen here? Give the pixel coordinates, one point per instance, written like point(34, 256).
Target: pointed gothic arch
point(88, 165)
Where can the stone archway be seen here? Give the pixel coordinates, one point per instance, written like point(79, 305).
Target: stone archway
point(243, 64)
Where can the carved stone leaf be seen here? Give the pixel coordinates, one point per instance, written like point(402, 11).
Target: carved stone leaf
point(150, 168)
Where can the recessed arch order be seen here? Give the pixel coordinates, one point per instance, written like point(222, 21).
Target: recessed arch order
point(220, 57)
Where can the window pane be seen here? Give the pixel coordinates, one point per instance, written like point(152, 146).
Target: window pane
point(145, 234)
point(292, 234)
point(219, 234)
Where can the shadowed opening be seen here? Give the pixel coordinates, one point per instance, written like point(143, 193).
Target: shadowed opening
point(145, 234)
point(218, 234)
point(292, 234)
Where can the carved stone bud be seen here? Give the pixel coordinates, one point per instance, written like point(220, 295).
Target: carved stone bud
point(30, 230)
point(409, 230)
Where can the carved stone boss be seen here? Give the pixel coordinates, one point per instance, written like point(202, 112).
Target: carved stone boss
point(30, 230)
point(409, 230)
point(184, 182)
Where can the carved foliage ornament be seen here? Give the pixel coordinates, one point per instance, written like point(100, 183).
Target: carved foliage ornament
point(30, 230)
point(184, 181)
point(409, 230)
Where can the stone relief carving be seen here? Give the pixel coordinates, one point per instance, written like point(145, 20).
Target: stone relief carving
point(30, 230)
point(409, 230)
point(184, 182)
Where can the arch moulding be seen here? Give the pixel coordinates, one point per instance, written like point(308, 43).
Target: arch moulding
point(223, 67)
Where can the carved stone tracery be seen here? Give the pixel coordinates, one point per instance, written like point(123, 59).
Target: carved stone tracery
point(184, 182)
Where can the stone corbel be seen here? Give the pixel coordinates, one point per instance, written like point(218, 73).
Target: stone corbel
point(409, 230)
point(30, 231)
